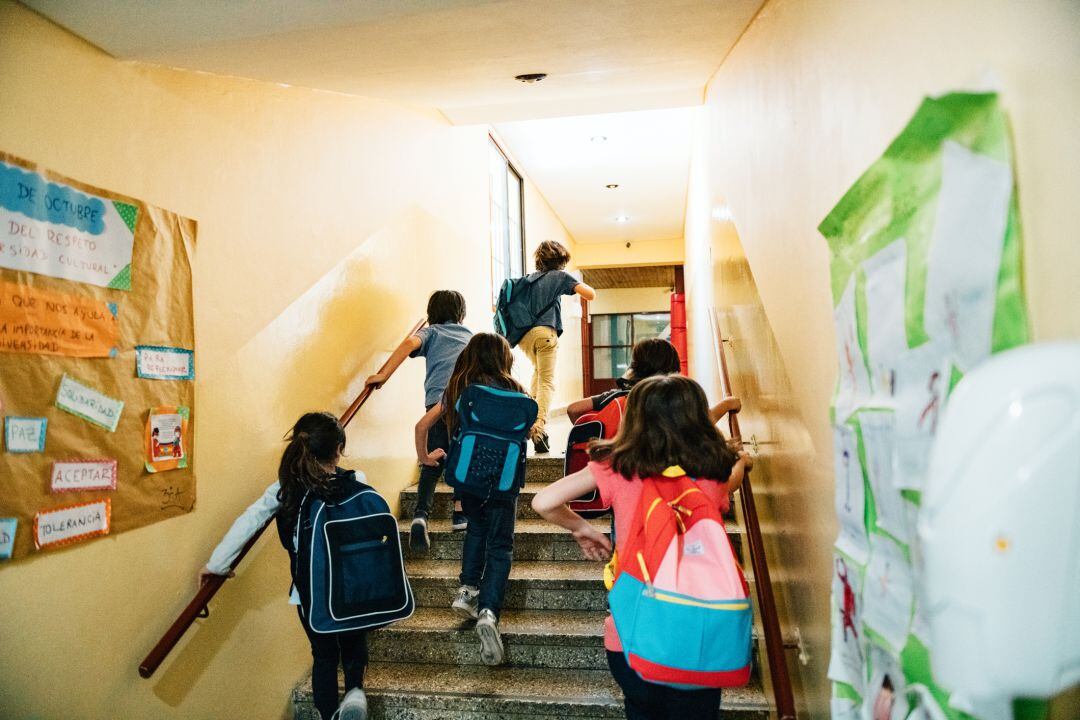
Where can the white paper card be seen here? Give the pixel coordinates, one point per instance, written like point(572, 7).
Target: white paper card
point(71, 475)
point(965, 252)
point(8, 526)
point(888, 592)
point(25, 434)
point(67, 524)
point(886, 333)
point(892, 510)
point(157, 362)
point(886, 698)
point(848, 661)
point(853, 382)
point(844, 709)
point(89, 404)
point(850, 497)
point(922, 384)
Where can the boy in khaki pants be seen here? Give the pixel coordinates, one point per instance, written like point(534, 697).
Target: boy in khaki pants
point(549, 282)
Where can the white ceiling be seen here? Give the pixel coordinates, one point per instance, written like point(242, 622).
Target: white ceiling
point(647, 153)
point(459, 56)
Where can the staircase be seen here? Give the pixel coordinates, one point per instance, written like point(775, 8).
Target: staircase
point(428, 667)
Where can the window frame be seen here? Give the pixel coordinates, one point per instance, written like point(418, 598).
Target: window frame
point(496, 283)
point(633, 339)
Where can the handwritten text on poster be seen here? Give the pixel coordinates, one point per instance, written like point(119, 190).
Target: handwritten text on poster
point(49, 323)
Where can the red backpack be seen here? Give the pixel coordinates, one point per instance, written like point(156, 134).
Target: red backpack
point(600, 424)
point(680, 601)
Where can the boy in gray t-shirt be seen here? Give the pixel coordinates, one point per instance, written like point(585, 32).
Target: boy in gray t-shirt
point(439, 344)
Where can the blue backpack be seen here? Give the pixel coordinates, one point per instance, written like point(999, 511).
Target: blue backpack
point(487, 453)
point(349, 571)
point(513, 312)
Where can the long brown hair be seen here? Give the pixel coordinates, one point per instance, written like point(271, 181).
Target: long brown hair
point(654, 356)
point(314, 441)
point(486, 360)
point(667, 423)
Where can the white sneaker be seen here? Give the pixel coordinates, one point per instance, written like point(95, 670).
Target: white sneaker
point(353, 706)
point(491, 646)
point(466, 601)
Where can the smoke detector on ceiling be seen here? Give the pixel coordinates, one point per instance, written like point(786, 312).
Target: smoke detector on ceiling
point(530, 78)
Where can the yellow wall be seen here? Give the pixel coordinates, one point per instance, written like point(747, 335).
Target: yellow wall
point(324, 222)
point(640, 252)
point(809, 97)
point(622, 300)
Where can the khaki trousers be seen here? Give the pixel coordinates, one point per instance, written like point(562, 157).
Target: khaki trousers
point(539, 345)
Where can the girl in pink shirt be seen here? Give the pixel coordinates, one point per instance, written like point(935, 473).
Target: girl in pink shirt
point(667, 431)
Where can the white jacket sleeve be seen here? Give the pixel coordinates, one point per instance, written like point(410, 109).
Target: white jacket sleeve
point(243, 529)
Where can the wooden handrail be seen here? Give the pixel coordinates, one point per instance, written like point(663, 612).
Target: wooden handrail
point(770, 620)
point(198, 605)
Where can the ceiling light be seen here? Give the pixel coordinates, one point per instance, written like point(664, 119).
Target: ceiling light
point(598, 138)
point(530, 78)
point(621, 219)
point(612, 186)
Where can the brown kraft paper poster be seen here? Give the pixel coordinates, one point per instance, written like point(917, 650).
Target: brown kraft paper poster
point(157, 310)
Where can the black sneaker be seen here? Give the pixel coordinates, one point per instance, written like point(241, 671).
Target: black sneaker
point(459, 521)
point(542, 444)
point(419, 540)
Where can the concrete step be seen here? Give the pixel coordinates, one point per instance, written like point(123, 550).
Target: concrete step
point(532, 585)
point(533, 638)
point(442, 505)
point(533, 540)
point(544, 468)
point(551, 639)
point(409, 691)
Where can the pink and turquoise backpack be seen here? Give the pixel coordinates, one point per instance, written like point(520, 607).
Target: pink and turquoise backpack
point(680, 601)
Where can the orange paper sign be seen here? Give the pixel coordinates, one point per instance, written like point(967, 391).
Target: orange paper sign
point(41, 322)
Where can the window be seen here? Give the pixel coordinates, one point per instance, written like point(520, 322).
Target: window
point(614, 336)
point(507, 229)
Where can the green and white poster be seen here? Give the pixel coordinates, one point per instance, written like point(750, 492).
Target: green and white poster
point(50, 228)
point(926, 284)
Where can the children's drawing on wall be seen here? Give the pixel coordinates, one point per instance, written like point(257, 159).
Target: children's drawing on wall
point(965, 252)
point(931, 235)
point(850, 494)
point(853, 383)
point(886, 693)
point(848, 661)
point(922, 384)
point(891, 510)
point(889, 592)
point(886, 335)
point(167, 438)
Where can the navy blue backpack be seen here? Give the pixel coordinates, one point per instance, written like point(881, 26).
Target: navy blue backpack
point(350, 572)
point(513, 313)
point(487, 453)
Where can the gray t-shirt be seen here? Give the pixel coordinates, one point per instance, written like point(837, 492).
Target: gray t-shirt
point(545, 288)
point(440, 346)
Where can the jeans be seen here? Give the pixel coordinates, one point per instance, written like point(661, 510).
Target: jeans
point(649, 701)
point(489, 548)
point(327, 650)
point(539, 345)
point(438, 437)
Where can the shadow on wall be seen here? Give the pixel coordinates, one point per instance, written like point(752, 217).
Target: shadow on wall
point(317, 353)
point(314, 356)
point(792, 486)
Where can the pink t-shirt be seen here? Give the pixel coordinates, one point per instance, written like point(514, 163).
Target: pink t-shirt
point(624, 495)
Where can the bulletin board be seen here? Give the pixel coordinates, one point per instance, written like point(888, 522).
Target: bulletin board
point(97, 345)
point(927, 283)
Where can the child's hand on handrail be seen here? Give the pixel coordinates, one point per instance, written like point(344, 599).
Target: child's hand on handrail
point(206, 573)
point(375, 381)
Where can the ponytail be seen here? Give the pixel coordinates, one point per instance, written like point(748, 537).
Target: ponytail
point(314, 441)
